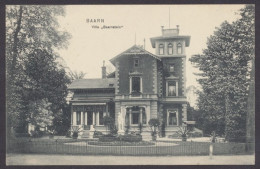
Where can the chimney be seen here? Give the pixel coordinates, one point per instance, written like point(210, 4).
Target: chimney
point(162, 29)
point(178, 30)
point(104, 72)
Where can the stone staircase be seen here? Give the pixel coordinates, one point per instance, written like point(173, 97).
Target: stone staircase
point(85, 134)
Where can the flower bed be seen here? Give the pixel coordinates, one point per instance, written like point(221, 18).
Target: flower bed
point(121, 143)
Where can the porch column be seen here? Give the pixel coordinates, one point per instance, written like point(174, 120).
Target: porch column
point(184, 113)
point(71, 118)
point(130, 85)
point(82, 122)
point(141, 115)
point(86, 118)
point(93, 120)
point(106, 110)
point(148, 114)
point(74, 118)
point(130, 116)
point(141, 84)
point(97, 118)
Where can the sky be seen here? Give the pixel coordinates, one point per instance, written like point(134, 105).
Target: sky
point(89, 46)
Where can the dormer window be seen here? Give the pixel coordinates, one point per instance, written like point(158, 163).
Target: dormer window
point(179, 48)
point(136, 62)
point(161, 49)
point(170, 49)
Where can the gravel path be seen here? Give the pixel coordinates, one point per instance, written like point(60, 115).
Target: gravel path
point(39, 159)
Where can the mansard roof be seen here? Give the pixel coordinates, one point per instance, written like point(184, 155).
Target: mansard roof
point(93, 84)
point(134, 50)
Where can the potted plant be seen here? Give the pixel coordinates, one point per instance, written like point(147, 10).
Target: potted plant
point(75, 131)
point(154, 123)
point(183, 132)
point(51, 133)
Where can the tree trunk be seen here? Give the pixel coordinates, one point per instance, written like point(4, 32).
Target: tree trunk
point(15, 45)
point(227, 116)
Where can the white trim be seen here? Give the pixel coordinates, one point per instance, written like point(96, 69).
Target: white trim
point(130, 85)
point(177, 87)
point(86, 118)
point(74, 118)
point(81, 118)
point(177, 116)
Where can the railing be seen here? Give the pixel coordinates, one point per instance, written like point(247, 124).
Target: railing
point(149, 148)
point(137, 96)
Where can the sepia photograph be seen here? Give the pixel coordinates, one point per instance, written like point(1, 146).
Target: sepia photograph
point(170, 84)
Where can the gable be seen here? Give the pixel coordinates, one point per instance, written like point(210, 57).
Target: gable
point(134, 50)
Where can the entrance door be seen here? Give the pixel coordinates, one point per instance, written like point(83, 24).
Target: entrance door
point(90, 118)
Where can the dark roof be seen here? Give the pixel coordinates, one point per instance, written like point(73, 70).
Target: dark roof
point(111, 75)
point(187, 39)
point(93, 83)
point(134, 50)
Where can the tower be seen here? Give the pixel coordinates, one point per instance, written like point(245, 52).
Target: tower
point(170, 47)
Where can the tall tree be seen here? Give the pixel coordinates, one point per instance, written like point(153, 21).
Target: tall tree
point(29, 28)
point(225, 69)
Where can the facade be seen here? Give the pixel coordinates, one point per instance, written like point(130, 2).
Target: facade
point(143, 86)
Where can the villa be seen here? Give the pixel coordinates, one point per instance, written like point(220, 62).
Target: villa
point(143, 86)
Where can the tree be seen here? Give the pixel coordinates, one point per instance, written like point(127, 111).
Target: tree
point(109, 122)
point(40, 114)
point(76, 75)
point(154, 123)
point(30, 29)
point(225, 73)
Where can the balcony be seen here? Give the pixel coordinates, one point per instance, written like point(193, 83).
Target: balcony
point(135, 96)
point(181, 99)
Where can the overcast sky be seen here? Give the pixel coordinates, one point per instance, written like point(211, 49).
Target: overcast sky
point(89, 46)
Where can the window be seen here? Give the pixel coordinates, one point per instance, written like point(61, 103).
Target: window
point(135, 117)
point(78, 116)
point(170, 49)
point(172, 117)
point(161, 49)
point(136, 63)
point(172, 88)
point(136, 84)
point(101, 118)
point(179, 48)
point(171, 68)
point(143, 117)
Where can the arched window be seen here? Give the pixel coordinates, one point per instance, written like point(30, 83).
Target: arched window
point(161, 49)
point(179, 48)
point(170, 49)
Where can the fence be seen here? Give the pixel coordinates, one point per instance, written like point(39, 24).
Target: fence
point(87, 147)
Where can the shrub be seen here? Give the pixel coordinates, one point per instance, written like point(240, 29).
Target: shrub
point(130, 138)
point(22, 135)
point(75, 134)
point(97, 134)
point(37, 133)
point(108, 138)
point(195, 134)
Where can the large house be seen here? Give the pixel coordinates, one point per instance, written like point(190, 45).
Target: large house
point(143, 86)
